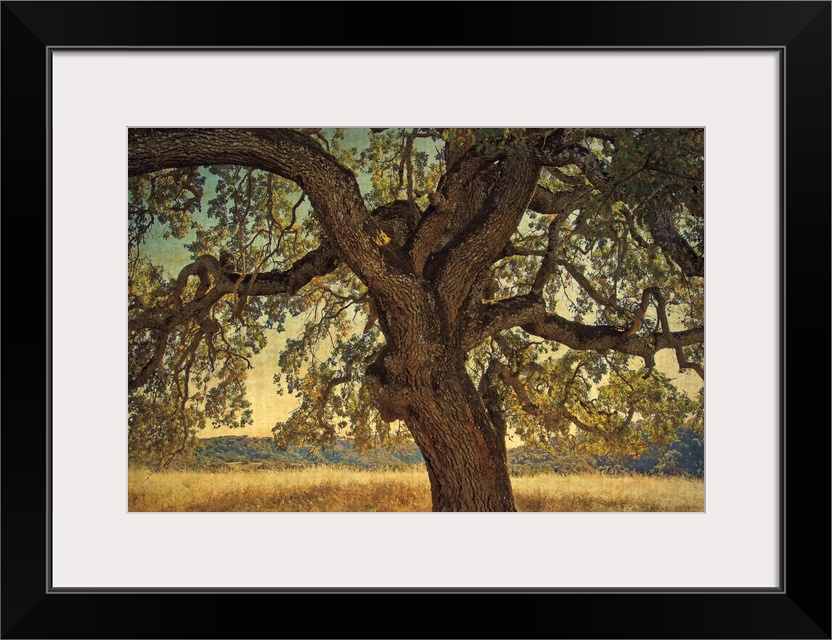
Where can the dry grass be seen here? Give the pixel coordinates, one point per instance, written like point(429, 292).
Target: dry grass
point(595, 492)
point(311, 489)
point(332, 489)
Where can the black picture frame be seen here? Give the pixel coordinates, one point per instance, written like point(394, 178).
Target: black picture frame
point(799, 608)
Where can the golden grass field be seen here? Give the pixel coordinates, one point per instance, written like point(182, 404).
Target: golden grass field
point(333, 489)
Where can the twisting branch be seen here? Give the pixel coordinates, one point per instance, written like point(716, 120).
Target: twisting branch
point(477, 249)
point(491, 397)
point(332, 189)
point(631, 226)
point(587, 286)
point(529, 313)
point(551, 419)
point(547, 267)
point(661, 309)
point(158, 355)
point(407, 165)
point(580, 157)
point(673, 342)
point(642, 310)
point(214, 284)
point(676, 344)
point(433, 230)
point(327, 390)
point(674, 245)
point(557, 203)
point(567, 178)
point(583, 426)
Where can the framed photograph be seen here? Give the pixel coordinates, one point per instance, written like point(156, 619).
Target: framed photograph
point(95, 90)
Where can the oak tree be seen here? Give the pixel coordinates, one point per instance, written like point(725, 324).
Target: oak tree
point(452, 285)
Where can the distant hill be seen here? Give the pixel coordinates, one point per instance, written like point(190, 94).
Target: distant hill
point(261, 453)
point(684, 457)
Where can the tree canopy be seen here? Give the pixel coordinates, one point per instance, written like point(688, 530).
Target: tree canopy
point(453, 286)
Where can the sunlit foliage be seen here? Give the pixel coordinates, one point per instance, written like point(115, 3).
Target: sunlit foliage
point(603, 250)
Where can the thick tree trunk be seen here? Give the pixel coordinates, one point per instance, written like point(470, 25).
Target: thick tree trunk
point(464, 452)
point(468, 470)
point(420, 376)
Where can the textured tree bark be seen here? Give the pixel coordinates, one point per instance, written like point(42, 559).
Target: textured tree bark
point(426, 283)
point(420, 377)
point(464, 451)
